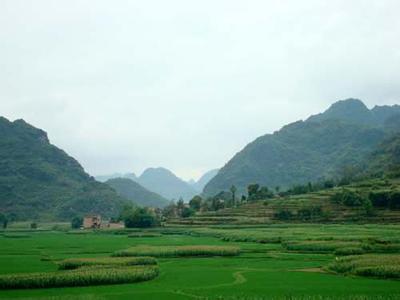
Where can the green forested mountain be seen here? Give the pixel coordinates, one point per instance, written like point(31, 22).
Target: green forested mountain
point(320, 147)
point(39, 180)
point(385, 159)
point(166, 184)
point(133, 191)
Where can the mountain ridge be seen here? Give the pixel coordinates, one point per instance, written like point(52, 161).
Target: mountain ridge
point(309, 150)
point(39, 180)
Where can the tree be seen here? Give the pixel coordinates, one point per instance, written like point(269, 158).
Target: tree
point(195, 203)
point(140, 217)
point(233, 191)
point(204, 206)
point(283, 214)
point(33, 225)
point(76, 222)
point(257, 193)
point(252, 190)
point(181, 204)
point(170, 211)
point(187, 212)
point(264, 193)
point(369, 209)
point(277, 189)
point(217, 204)
point(3, 221)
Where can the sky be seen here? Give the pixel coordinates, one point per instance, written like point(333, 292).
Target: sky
point(126, 85)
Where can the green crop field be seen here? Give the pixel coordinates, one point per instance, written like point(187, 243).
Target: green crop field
point(282, 261)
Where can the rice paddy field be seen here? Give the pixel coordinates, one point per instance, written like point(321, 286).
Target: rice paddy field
point(281, 261)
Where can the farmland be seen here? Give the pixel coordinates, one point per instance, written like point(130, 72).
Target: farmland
point(281, 261)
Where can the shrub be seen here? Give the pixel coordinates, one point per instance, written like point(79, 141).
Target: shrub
point(74, 263)
point(187, 212)
point(139, 217)
point(309, 213)
point(283, 214)
point(3, 221)
point(348, 198)
point(394, 201)
point(178, 251)
point(379, 198)
point(76, 222)
point(79, 277)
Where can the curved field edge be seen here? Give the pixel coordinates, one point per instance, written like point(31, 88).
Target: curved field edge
point(80, 277)
point(75, 263)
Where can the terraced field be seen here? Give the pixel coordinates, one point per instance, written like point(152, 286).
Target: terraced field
point(281, 261)
point(264, 212)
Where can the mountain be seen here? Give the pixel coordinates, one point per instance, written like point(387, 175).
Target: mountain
point(165, 183)
point(310, 150)
point(355, 111)
point(133, 191)
point(104, 178)
point(39, 180)
point(385, 159)
point(203, 180)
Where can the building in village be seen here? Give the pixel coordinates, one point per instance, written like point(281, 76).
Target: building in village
point(92, 222)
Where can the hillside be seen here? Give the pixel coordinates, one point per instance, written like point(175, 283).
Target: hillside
point(104, 178)
point(386, 157)
point(203, 180)
point(320, 147)
point(139, 195)
point(39, 180)
point(313, 207)
point(166, 184)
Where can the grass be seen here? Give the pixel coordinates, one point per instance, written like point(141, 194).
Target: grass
point(79, 277)
point(371, 265)
point(261, 271)
point(179, 251)
point(74, 263)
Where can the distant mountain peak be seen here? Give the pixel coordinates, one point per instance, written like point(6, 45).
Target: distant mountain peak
point(166, 183)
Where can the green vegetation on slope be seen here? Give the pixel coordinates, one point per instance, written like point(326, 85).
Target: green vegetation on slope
point(308, 151)
point(38, 180)
point(139, 195)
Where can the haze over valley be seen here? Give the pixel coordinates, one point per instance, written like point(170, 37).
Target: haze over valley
point(230, 150)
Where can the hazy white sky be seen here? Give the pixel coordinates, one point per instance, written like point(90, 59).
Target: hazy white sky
point(124, 85)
